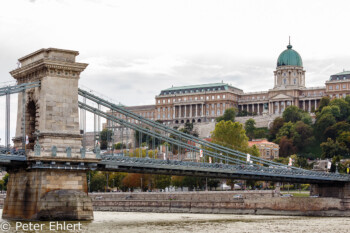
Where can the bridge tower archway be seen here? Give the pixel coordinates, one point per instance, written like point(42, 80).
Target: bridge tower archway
point(31, 123)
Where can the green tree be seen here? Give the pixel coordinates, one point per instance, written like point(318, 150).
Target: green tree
point(105, 136)
point(249, 127)
point(332, 148)
point(229, 115)
point(292, 113)
point(323, 122)
point(162, 181)
point(5, 180)
point(285, 131)
point(323, 103)
point(344, 139)
point(188, 129)
point(275, 127)
point(261, 133)
point(213, 183)
point(344, 108)
point(230, 134)
point(335, 130)
point(98, 182)
point(302, 135)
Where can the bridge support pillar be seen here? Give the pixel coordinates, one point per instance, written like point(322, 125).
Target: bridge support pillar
point(331, 190)
point(41, 194)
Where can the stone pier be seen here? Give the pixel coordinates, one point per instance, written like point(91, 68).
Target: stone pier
point(47, 195)
point(48, 116)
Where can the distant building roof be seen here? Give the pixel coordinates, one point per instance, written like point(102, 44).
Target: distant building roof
point(199, 88)
point(260, 141)
point(345, 75)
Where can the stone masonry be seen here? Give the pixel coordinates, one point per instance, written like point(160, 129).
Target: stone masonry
point(52, 108)
point(47, 195)
point(49, 113)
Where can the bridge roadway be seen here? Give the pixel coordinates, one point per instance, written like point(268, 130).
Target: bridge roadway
point(173, 167)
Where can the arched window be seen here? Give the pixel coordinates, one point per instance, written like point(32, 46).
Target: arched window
point(284, 81)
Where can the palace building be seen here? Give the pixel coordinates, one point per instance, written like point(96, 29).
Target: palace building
point(206, 102)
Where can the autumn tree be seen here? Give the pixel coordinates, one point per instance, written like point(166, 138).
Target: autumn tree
point(286, 147)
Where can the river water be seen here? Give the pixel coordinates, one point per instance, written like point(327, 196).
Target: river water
point(176, 222)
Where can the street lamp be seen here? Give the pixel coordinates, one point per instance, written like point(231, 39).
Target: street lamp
point(336, 167)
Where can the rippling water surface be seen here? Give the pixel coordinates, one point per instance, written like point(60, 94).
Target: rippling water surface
point(170, 222)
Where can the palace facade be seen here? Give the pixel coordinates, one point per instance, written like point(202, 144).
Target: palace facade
point(204, 103)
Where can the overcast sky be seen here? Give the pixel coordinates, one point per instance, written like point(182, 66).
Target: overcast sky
point(136, 48)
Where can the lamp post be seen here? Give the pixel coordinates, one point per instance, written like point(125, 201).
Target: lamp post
point(336, 167)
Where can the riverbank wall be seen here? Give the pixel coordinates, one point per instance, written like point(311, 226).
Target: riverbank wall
point(235, 202)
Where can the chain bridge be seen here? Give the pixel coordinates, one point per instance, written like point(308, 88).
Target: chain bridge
point(49, 159)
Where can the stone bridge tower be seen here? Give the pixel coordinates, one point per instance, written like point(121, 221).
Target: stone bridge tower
point(52, 184)
point(52, 108)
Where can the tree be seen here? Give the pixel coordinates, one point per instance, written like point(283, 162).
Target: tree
point(213, 183)
point(177, 181)
point(285, 131)
point(230, 134)
point(286, 147)
point(302, 135)
point(335, 130)
point(105, 137)
point(344, 108)
point(323, 122)
point(134, 180)
point(5, 181)
point(332, 148)
point(162, 181)
point(292, 113)
point(261, 133)
point(229, 115)
point(249, 126)
point(323, 103)
point(344, 139)
point(188, 129)
point(276, 125)
point(98, 182)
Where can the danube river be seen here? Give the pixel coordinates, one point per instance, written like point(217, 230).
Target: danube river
point(170, 222)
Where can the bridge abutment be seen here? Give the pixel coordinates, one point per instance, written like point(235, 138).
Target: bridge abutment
point(337, 190)
point(41, 194)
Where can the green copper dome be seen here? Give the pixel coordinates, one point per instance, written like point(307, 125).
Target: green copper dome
point(289, 57)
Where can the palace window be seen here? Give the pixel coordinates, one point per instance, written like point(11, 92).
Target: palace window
point(337, 87)
point(213, 97)
point(344, 86)
point(218, 112)
point(218, 97)
point(284, 81)
point(344, 95)
point(163, 101)
point(223, 105)
point(212, 112)
point(158, 101)
point(224, 96)
point(201, 97)
point(295, 81)
point(207, 97)
point(168, 100)
point(330, 87)
point(195, 98)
